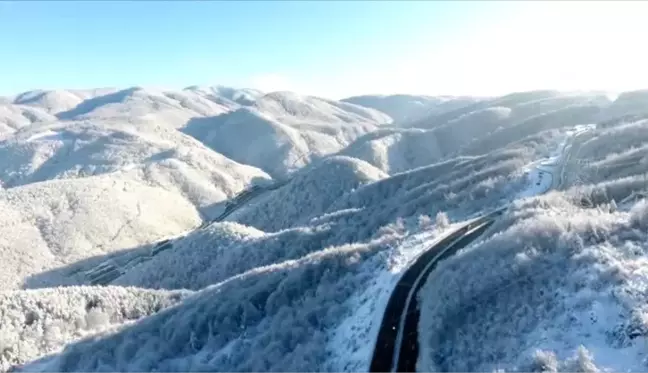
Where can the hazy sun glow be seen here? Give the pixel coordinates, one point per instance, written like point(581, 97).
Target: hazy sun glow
point(526, 45)
point(561, 45)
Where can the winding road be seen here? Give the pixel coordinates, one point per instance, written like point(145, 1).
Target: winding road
point(397, 343)
point(396, 348)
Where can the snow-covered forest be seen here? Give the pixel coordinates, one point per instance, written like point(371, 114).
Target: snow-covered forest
point(223, 229)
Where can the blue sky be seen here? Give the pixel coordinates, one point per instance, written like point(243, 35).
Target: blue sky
point(329, 48)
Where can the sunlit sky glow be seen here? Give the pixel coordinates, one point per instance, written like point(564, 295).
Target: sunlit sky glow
point(326, 48)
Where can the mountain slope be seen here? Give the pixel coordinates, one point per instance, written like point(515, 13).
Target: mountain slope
point(408, 108)
point(51, 224)
point(309, 194)
point(52, 102)
point(14, 117)
point(282, 308)
point(478, 129)
point(173, 107)
point(297, 277)
point(563, 289)
point(300, 109)
point(138, 151)
point(283, 130)
point(227, 95)
point(52, 317)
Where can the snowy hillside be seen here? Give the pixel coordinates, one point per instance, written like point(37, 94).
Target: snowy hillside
point(477, 129)
point(74, 189)
point(52, 102)
point(138, 150)
point(136, 102)
point(282, 131)
point(13, 117)
point(308, 195)
point(55, 223)
point(57, 316)
point(629, 103)
point(407, 108)
point(115, 254)
point(561, 287)
point(227, 95)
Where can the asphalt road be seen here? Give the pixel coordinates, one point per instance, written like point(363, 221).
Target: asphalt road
point(396, 348)
point(397, 343)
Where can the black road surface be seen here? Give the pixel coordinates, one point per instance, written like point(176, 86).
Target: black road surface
point(402, 346)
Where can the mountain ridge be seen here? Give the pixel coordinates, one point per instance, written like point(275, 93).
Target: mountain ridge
point(327, 204)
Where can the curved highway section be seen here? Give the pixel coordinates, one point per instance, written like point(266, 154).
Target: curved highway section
point(396, 348)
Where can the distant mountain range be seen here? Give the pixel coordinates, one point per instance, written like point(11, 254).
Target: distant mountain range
point(339, 197)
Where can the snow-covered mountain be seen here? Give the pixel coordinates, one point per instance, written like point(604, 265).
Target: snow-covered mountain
point(283, 131)
point(227, 95)
point(222, 229)
point(407, 108)
point(477, 129)
point(13, 117)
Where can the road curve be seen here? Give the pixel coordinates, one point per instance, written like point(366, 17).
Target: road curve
point(396, 346)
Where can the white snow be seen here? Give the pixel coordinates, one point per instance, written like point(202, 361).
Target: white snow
point(540, 180)
point(52, 102)
point(308, 194)
point(46, 135)
point(46, 226)
point(14, 117)
point(135, 151)
point(545, 285)
point(282, 131)
point(297, 277)
point(475, 129)
point(409, 108)
point(38, 322)
point(545, 174)
point(352, 342)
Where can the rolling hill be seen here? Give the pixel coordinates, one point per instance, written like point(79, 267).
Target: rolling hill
point(329, 201)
